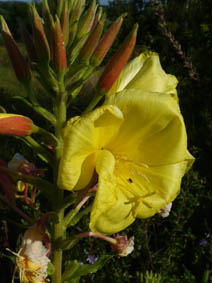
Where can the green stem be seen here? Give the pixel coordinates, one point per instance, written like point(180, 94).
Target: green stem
point(45, 155)
point(42, 111)
point(205, 276)
point(58, 208)
point(93, 103)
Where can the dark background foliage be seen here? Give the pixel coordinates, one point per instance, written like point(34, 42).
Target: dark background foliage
point(178, 247)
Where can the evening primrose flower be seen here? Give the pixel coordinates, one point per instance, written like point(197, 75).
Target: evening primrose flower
point(145, 72)
point(137, 144)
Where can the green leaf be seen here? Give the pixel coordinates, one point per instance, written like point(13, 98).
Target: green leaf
point(70, 243)
point(70, 268)
point(77, 218)
point(50, 269)
point(91, 268)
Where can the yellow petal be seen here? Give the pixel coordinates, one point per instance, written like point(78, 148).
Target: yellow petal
point(111, 211)
point(153, 131)
point(145, 72)
point(148, 189)
point(83, 136)
point(128, 73)
point(152, 77)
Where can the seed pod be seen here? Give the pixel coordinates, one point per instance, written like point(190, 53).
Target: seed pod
point(118, 61)
point(19, 64)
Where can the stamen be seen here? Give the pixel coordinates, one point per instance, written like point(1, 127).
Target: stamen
point(124, 162)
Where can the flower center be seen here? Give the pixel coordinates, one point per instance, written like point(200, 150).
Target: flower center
point(130, 168)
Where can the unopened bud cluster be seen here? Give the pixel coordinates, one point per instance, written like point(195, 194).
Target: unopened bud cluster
point(68, 39)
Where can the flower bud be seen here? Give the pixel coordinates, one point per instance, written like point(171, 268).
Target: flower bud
point(77, 9)
point(19, 64)
point(106, 42)
point(16, 125)
point(29, 44)
point(92, 41)
point(123, 247)
point(118, 61)
point(97, 19)
point(47, 19)
point(60, 6)
point(86, 21)
point(41, 42)
point(64, 19)
point(59, 52)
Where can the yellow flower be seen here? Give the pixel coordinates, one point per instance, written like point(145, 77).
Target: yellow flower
point(137, 144)
point(145, 72)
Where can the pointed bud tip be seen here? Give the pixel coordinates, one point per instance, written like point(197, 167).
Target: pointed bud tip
point(135, 28)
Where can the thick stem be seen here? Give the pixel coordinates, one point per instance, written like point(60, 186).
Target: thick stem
point(93, 103)
point(58, 227)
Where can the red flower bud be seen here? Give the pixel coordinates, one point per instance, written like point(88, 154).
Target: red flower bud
point(118, 61)
point(92, 41)
point(41, 42)
point(19, 64)
point(64, 19)
point(59, 52)
point(86, 21)
point(15, 125)
point(29, 44)
point(106, 42)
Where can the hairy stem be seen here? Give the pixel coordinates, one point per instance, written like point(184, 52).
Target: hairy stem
point(58, 227)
